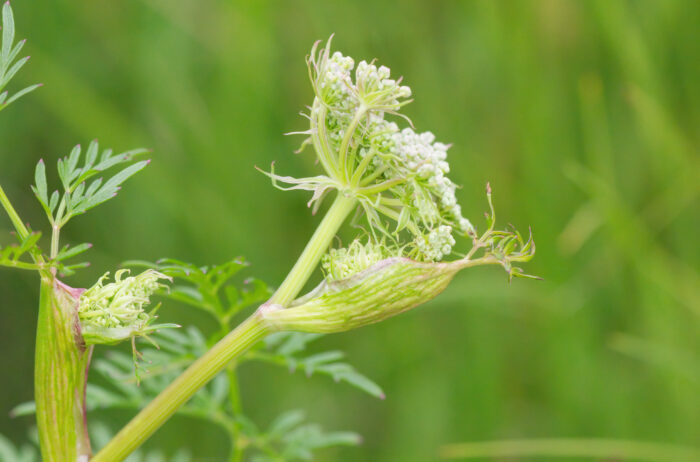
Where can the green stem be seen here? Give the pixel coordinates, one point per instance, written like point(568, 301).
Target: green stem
point(320, 140)
point(21, 265)
point(380, 187)
point(55, 233)
point(345, 143)
point(56, 225)
point(21, 229)
point(317, 246)
point(360, 170)
point(376, 174)
point(181, 390)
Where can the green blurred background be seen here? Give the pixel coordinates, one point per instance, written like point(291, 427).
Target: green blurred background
point(584, 116)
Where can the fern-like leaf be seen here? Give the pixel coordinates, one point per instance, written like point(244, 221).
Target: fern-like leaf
point(8, 54)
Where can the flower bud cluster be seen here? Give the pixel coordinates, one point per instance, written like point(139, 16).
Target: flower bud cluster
point(114, 311)
point(428, 194)
point(376, 89)
point(342, 263)
point(426, 160)
point(337, 91)
point(373, 91)
point(436, 244)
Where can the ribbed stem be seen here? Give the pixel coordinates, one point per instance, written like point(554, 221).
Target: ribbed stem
point(182, 389)
point(317, 246)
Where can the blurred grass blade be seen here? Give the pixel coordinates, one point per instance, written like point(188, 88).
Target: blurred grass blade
point(591, 448)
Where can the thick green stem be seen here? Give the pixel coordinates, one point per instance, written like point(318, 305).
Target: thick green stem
point(317, 246)
point(60, 375)
point(182, 389)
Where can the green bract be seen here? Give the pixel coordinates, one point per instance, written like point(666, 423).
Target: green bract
point(363, 286)
point(112, 312)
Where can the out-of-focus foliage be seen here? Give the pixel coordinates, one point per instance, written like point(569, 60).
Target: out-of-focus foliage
point(15, 255)
point(583, 115)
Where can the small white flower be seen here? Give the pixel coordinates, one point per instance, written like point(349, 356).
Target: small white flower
point(437, 244)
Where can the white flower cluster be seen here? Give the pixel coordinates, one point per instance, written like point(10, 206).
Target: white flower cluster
point(119, 304)
point(342, 263)
point(422, 161)
point(377, 89)
point(420, 153)
point(397, 172)
point(335, 83)
point(372, 91)
point(378, 140)
point(372, 87)
point(436, 244)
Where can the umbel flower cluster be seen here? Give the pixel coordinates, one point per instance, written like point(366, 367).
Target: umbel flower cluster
point(398, 178)
point(115, 311)
point(397, 174)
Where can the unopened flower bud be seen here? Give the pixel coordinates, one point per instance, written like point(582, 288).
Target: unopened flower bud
point(115, 311)
point(385, 289)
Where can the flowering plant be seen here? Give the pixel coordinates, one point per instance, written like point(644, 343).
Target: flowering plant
point(406, 253)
